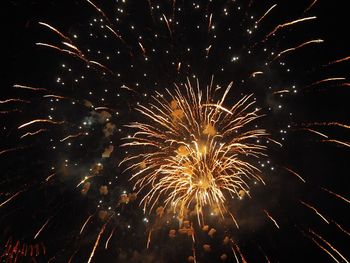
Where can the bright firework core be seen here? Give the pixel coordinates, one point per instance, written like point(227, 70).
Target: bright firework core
point(194, 151)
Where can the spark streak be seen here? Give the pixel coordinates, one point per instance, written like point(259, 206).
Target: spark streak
point(315, 210)
point(97, 242)
point(271, 218)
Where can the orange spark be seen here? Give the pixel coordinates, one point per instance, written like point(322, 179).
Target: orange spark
point(315, 210)
point(266, 13)
point(271, 218)
point(296, 174)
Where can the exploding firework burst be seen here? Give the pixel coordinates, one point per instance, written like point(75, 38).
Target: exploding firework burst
point(194, 149)
point(194, 152)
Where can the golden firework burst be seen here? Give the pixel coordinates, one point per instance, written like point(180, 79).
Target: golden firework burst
point(192, 150)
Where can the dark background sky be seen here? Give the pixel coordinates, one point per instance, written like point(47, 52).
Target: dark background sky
point(322, 164)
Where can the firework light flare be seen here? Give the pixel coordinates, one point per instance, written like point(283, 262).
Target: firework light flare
point(175, 131)
point(194, 148)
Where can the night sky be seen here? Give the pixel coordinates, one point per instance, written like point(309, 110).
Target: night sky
point(107, 58)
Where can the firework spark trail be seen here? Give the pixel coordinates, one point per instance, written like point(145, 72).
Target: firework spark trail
point(280, 26)
point(323, 248)
point(97, 242)
point(72, 136)
point(315, 132)
point(40, 121)
point(296, 174)
point(341, 228)
point(239, 252)
point(315, 210)
point(33, 133)
point(13, 100)
point(310, 6)
point(42, 228)
point(149, 238)
point(109, 238)
point(271, 218)
point(56, 31)
point(324, 81)
point(346, 144)
point(266, 13)
point(281, 91)
point(85, 223)
point(201, 167)
point(317, 41)
point(254, 74)
point(328, 244)
point(10, 198)
point(79, 56)
point(11, 150)
point(336, 124)
point(338, 60)
point(336, 195)
point(28, 88)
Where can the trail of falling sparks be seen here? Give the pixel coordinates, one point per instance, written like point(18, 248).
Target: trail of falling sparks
point(337, 124)
point(40, 121)
point(56, 31)
point(271, 218)
point(194, 150)
point(329, 245)
point(296, 174)
point(33, 133)
point(13, 100)
point(338, 60)
point(239, 252)
point(322, 247)
point(266, 13)
point(109, 238)
point(316, 132)
point(336, 195)
point(346, 144)
point(297, 47)
point(10, 150)
point(310, 6)
point(149, 238)
point(341, 228)
point(72, 136)
point(325, 80)
point(315, 210)
point(85, 223)
point(10, 198)
point(42, 228)
point(97, 242)
point(28, 88)
point(280, 26)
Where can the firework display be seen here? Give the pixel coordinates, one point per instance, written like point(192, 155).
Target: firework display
point(174, 131)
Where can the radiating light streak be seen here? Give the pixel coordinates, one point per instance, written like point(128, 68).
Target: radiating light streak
point(85, 223)
point(329, 245)
point(28, 88)
point(266, 13)
point(295, 173)
point(13, 100)
point(10, 198)
point(338, 60)
point(336, 195)
point(315, 210)
point(346, 144)
point(42, 228)
point(310, 6)
point(109, 238)
point(33, 133)
point(40, 121)
point(280, 26)
point(271, 218)
point(72, 136)
point(97, 242)
point(297, 47)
